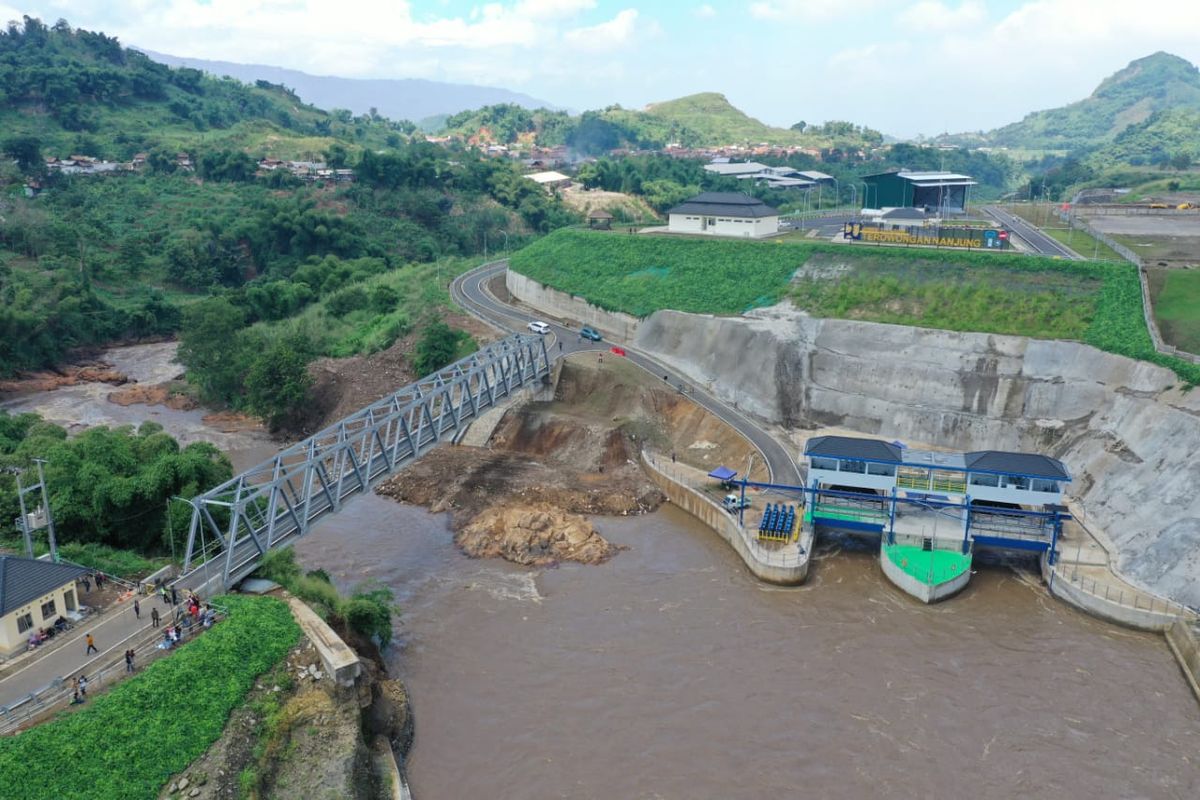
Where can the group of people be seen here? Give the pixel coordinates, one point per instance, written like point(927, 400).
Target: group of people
point(79, 689)
point(39, 636)
point(88, 578)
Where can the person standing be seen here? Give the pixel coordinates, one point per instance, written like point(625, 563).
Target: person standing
point(174, 597)
point(166, 598)
point(137, 609)
point(91, 646)
point(82, 688)
point(99, 580)
point(129, 661)
point(87, 585)
point(154, 618)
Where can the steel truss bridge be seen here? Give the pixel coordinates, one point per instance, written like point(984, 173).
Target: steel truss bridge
point(273, 504)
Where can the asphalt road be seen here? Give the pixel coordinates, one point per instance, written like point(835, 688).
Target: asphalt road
point(470, 292)
point(1040, 242)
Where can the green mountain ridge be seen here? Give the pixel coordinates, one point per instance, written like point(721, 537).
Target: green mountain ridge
point(706, 119)
point(1159, 82)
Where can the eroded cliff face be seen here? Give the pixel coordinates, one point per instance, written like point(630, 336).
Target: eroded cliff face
point(1127, 431)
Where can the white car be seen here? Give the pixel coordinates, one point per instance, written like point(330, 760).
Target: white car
point(539, 327)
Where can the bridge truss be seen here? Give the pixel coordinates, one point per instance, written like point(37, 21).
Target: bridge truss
point(277, 501)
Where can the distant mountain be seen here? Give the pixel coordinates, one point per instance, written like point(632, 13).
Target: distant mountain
point(412, 99)
point(1157, 83)
point(698, 120)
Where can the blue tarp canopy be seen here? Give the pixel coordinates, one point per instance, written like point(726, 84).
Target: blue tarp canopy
point(722, 474)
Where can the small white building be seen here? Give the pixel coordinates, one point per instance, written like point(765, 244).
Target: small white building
point(550, 180)
point(33, 594)
point(724, 214)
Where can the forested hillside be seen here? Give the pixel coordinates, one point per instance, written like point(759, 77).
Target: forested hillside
point(91, 258)
point(1157, 83)
point(699, 120)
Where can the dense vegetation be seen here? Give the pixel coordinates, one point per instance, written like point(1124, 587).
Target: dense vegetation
point(697, 120)
point(109, 486)
point(126, 743)
point(252, 265)
point(1095, 302)
point(1155, 83)
point(366, 611)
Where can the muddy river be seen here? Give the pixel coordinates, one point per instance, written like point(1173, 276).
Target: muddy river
point(87, 405)
point(670, 672)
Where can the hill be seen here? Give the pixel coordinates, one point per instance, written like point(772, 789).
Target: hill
point(1170, 137)
point(409, 98)
point(76, 91)
point(1156, 83)
point(700, 120)
point(211, 244)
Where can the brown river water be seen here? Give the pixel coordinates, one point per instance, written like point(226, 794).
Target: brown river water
point(670, 672)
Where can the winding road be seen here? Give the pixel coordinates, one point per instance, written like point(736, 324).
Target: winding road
point(470, 291)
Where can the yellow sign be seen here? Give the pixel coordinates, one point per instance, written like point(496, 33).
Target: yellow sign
point(930, 240)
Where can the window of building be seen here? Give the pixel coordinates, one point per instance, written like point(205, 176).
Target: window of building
point(47, 610)
point(830, 464)
point(859, 467)
point(1042, 485)
point(881, 469)
point(1016, 482)
point(24, 622)
point(985, 480)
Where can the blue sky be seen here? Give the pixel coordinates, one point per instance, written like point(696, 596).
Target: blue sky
point(905, 67)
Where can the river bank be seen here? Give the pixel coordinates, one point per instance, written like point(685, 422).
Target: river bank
point(89, 403)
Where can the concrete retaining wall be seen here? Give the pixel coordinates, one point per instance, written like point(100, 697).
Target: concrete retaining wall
point(613, 324)
point(1126, 429)
point(921, 590)
point(339, 660)
point(1183, 643)
point(1140, 618)
point(720, 521)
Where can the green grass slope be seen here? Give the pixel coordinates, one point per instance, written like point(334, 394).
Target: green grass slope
point(1095, 302)
point(126, 744)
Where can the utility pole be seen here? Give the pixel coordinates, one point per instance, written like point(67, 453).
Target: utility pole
point(24, 521)
point(46, 505)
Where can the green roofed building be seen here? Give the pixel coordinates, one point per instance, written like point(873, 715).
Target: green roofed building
point(935, 192)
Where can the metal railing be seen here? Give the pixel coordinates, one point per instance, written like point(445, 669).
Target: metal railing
point(788, 556)
point(60, 691)
point(1123, 595)
point(276, 502)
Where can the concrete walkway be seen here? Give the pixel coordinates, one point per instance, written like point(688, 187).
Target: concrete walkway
point(110, 631)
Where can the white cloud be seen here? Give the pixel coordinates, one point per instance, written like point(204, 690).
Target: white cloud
point(934, 16)
point(616, 32)
point(705, 11)
point(812, 10)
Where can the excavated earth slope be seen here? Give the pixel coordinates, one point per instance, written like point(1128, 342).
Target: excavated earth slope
point(1127, 430)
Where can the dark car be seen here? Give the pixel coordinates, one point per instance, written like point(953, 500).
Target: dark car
point(589, 332)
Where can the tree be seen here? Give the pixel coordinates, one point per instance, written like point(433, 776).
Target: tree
point(436, 348)
point(1181, 161)
point(206, 348)
point(800, 126)
point(27, 152)
point(336, 156)
point(278, 382)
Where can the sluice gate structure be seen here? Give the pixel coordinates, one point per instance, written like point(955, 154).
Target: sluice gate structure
point(276, 502)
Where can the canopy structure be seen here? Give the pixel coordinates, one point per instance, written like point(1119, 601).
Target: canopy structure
point(722, 474)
